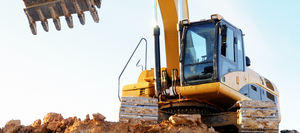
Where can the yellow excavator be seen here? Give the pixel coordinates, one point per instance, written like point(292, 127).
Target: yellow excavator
point(207, 71)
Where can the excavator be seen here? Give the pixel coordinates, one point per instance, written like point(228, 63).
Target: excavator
point(206, 71)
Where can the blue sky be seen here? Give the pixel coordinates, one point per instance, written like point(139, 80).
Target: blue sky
point(74, 71)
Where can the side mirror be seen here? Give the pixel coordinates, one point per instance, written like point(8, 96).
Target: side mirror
point(248, 62)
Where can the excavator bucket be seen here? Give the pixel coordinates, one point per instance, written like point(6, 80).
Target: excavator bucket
point(42, 10)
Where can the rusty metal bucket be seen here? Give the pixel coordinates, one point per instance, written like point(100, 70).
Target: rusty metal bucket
point(41, 10)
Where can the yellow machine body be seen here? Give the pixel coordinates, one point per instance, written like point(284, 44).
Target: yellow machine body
point(144, 86)
point(224, 94)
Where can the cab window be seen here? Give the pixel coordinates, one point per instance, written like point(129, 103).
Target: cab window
point(227, 46)
point(240, 55)
point(199, 53)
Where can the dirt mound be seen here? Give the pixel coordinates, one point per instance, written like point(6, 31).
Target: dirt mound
point(55, 123)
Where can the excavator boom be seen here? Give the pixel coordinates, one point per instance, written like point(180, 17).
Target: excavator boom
point(172, 11)
point(42, 10)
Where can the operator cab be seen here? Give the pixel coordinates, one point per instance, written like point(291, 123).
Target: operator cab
point(211, 49)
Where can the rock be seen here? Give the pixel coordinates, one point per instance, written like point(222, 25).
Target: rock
point(53, 125)
point(42, 129)
point(64, 122)
point(183, 119)
point(12, 126)
point(50, 117)
point(155, 129)
point(87, 118)
point(98, 117)
point(22, 129)
point(211, 130)
point(80, 127)
point(58, 130)
point(36, 123)
point(29, 129)
point(96, 130)
point(203, 126)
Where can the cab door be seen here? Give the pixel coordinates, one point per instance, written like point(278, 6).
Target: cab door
point(227, 61)
point(240, 60)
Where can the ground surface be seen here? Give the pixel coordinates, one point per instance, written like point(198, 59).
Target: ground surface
point(55, 123)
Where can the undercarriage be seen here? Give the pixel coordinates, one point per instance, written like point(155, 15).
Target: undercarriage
point(244, 116)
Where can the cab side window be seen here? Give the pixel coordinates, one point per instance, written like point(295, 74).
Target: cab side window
point(227, 46)
point(240, 55)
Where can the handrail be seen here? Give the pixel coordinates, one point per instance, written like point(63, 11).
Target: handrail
point(129, 61)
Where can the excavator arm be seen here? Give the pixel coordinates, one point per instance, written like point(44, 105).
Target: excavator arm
point(172, 11)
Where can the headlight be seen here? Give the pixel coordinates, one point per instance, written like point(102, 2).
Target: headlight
point(185, 22)
point(216, 17)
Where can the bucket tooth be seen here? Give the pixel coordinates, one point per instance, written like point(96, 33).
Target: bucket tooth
point(95, 16)
point(98, 3)
point(45, 25)
point(33, 28)
point(69, 20)
point(93, 11)
point(68, 15)
point(43, 19)
point(57, 23)
point(32, 24)
point(79, 11)
point(55, 18)
point(81, 18)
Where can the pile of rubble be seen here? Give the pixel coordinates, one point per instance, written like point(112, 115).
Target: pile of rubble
point(55, 123)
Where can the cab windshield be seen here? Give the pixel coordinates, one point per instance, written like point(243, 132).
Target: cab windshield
point(199, 52)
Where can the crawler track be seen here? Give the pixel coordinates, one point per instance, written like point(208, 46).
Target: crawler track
point(142, 110)
point(258, 117)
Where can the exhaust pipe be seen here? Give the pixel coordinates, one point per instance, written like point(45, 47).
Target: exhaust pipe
point(157, 69)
